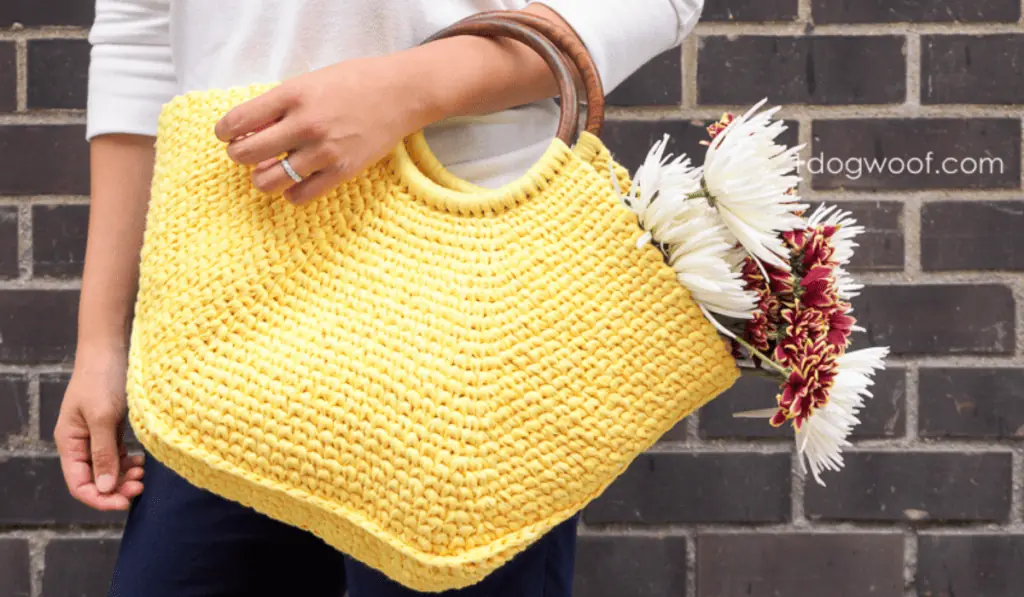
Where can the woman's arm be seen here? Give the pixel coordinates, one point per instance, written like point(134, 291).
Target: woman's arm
point(89, 431)
point(336, 121)
point(130, 75)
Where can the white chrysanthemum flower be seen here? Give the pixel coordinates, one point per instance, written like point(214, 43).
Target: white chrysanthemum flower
point(699, 247)
point(660, 188)
point(697, 243)
point(844, 243)
point(824, 434)
point(749, 177)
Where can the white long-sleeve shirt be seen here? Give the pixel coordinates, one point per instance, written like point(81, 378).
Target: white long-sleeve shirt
point(144, 52)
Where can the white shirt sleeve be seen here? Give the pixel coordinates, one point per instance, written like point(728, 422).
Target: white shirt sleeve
point(131, 74)
point(623, 35)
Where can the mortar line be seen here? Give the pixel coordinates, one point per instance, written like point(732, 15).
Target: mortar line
point(911, 220)
point(805, 137)
point(932, 196)
point(688, 64)
point(804, 13)
point(797, 488)
point(41, 284)
point(912, 405)
point(826, 527)
point(910, 561)
point(691, 563)
point(45, 200)
point(50, 32)
point(792, 111)
point(34, 409)
point(43, 117)
point(25, 265)
point(56, 533)
point(693, 428)
point(913, 62)
point(1017, 286)
point(20, 76)
point(37, 563)
point(1017, 488)
point(799, 28)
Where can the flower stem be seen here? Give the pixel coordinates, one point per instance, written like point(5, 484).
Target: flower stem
point(761, 356)
point(763, 373)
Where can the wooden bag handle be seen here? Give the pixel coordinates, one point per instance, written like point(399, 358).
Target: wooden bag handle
point(580, 60)
point(564, 54)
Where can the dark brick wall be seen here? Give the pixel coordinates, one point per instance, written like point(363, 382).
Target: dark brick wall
point(930, 502)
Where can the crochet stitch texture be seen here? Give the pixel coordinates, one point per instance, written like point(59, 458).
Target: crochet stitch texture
point(425, 374)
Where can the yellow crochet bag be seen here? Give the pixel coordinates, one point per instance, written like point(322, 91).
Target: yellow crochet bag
point(426, 374)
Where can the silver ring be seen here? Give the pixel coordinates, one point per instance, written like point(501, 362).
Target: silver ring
point(290, 171)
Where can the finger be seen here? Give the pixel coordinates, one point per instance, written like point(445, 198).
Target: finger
point(257, 113)
point(91, 496)
point(75, 460)
point(133, 474)
point(133, 460)
point(315, 186)
point(104, 449)
point(131, 463)
point(130, 489)
point(271, 177)
point(283, 137)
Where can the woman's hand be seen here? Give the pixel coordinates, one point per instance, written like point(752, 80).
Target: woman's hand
point(332, 123)
point(336, 121)
point(90, 429)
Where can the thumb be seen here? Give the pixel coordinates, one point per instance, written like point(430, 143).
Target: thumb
point(105, 452)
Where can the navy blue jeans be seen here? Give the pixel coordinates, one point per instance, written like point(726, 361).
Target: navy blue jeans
point(182, 541)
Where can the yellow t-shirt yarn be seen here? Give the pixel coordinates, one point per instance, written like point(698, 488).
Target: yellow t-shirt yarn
point(425, 374)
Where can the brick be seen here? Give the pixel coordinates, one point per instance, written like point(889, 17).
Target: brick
point(630, 141)
point(914, 486)
point(916, 153)
point(829, 70)
point(15, 571)
point(58, 239)
point(983, 403)
point(32, 492)
point(44, 159)
point(972, 69)
point(14, 405)
point(881, 247)
point(9, 242)
point(749, 10)
point(38, 325)
point(976, 235)
point(661, 488)
point(894, 11)
point(677, 433)
point(975, 564)
point(799, 565)
point(884, 415)
point(58, 71)
point(8, 77)
point(657, 83)
point(32, 13)
point(51, 394)
point(937, 319)
point(630, 566)
point(79, 567)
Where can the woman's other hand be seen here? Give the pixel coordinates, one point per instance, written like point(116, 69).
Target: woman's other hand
point(90, 433)
point(333, 123)
point(336, 121)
